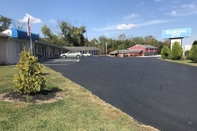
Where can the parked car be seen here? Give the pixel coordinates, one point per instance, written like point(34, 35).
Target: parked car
point(87, 54)
point(71, 54)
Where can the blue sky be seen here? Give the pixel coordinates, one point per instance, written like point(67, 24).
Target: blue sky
point(108, 18)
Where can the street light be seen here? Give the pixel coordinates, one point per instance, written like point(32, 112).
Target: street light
point(106, 48)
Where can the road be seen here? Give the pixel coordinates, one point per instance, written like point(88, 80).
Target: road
point(152, 91)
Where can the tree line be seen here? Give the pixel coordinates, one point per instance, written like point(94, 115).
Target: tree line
point(124, 42)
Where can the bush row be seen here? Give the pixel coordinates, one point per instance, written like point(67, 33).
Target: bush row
point(177, 52)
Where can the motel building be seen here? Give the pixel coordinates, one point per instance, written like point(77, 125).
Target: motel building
point(13, 40)
point(136, 50)
point(84, 50)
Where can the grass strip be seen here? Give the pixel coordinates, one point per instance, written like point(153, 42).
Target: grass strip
point(80, 110)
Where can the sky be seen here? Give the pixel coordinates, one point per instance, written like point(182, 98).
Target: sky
point(109, 18)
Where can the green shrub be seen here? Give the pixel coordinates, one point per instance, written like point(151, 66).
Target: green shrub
point(165, 52)
point(29, 80)
point(177, 51)
point(193, 54)
point(195, 42)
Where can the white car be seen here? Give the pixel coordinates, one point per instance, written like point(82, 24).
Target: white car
point(71, 54)
point(87, 54)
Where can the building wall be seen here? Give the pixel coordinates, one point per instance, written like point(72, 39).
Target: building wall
point(15, 46)
point(130, 54)
point(43, 51)
point(3, 50)
point(137, 47)
point(136, 54)
point(151, 50)
point(145, 51)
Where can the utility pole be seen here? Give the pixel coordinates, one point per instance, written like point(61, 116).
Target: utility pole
point(106, 48)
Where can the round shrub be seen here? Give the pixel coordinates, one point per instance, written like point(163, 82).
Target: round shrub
point(165, 52)
point(193, 54)
point(177, 51)
point(195, 42)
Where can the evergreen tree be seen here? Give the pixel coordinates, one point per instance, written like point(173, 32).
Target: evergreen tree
point(29, 80)
point(177, 51)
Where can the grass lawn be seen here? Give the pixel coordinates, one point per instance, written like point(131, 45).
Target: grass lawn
point(78, 111)
point(186, 62)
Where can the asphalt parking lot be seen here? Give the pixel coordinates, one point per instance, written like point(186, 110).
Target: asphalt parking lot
point(152, 91)
point(60, 61)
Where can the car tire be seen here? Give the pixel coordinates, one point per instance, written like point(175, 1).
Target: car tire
point(78, 56)
point(64, 56)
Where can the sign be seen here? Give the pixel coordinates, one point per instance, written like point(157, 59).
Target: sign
point(176, 33)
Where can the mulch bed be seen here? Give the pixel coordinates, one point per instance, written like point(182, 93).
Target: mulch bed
point(44, 95)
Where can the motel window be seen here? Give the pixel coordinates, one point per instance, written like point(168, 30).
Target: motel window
point(56, 52)
point(51, 52)
point(47, 51)
point(39, 51)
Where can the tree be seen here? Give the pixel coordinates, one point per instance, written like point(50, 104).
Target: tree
point(122, 37)
point(50, 37)
point(68, 35)
point(167, 42)
point(193, 54)
point(72, 35)
point(160, 46)
point(77, 37)
point(177, 51)
point(102, 40)
point(29, 80)
point(18, 25)
point(138, 40)
point(94, 42)
point(150, 40)
point(122, 41)
point(165, 52)
point(47, 31)
point(4, 23)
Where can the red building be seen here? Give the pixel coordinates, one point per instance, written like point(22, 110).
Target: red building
point(146, 50)
point(136, 50)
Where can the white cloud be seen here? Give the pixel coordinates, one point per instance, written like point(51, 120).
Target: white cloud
point(153, 22)
point(125, 26)
point(131, 26)
point(184, 10)
point(157, 0)
point(33, 20)
point(53, 21)
point(174, 13)
point(192, 6)
point(131, 16)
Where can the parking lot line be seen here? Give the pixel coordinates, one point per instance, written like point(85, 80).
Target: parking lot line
point(54, 64)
